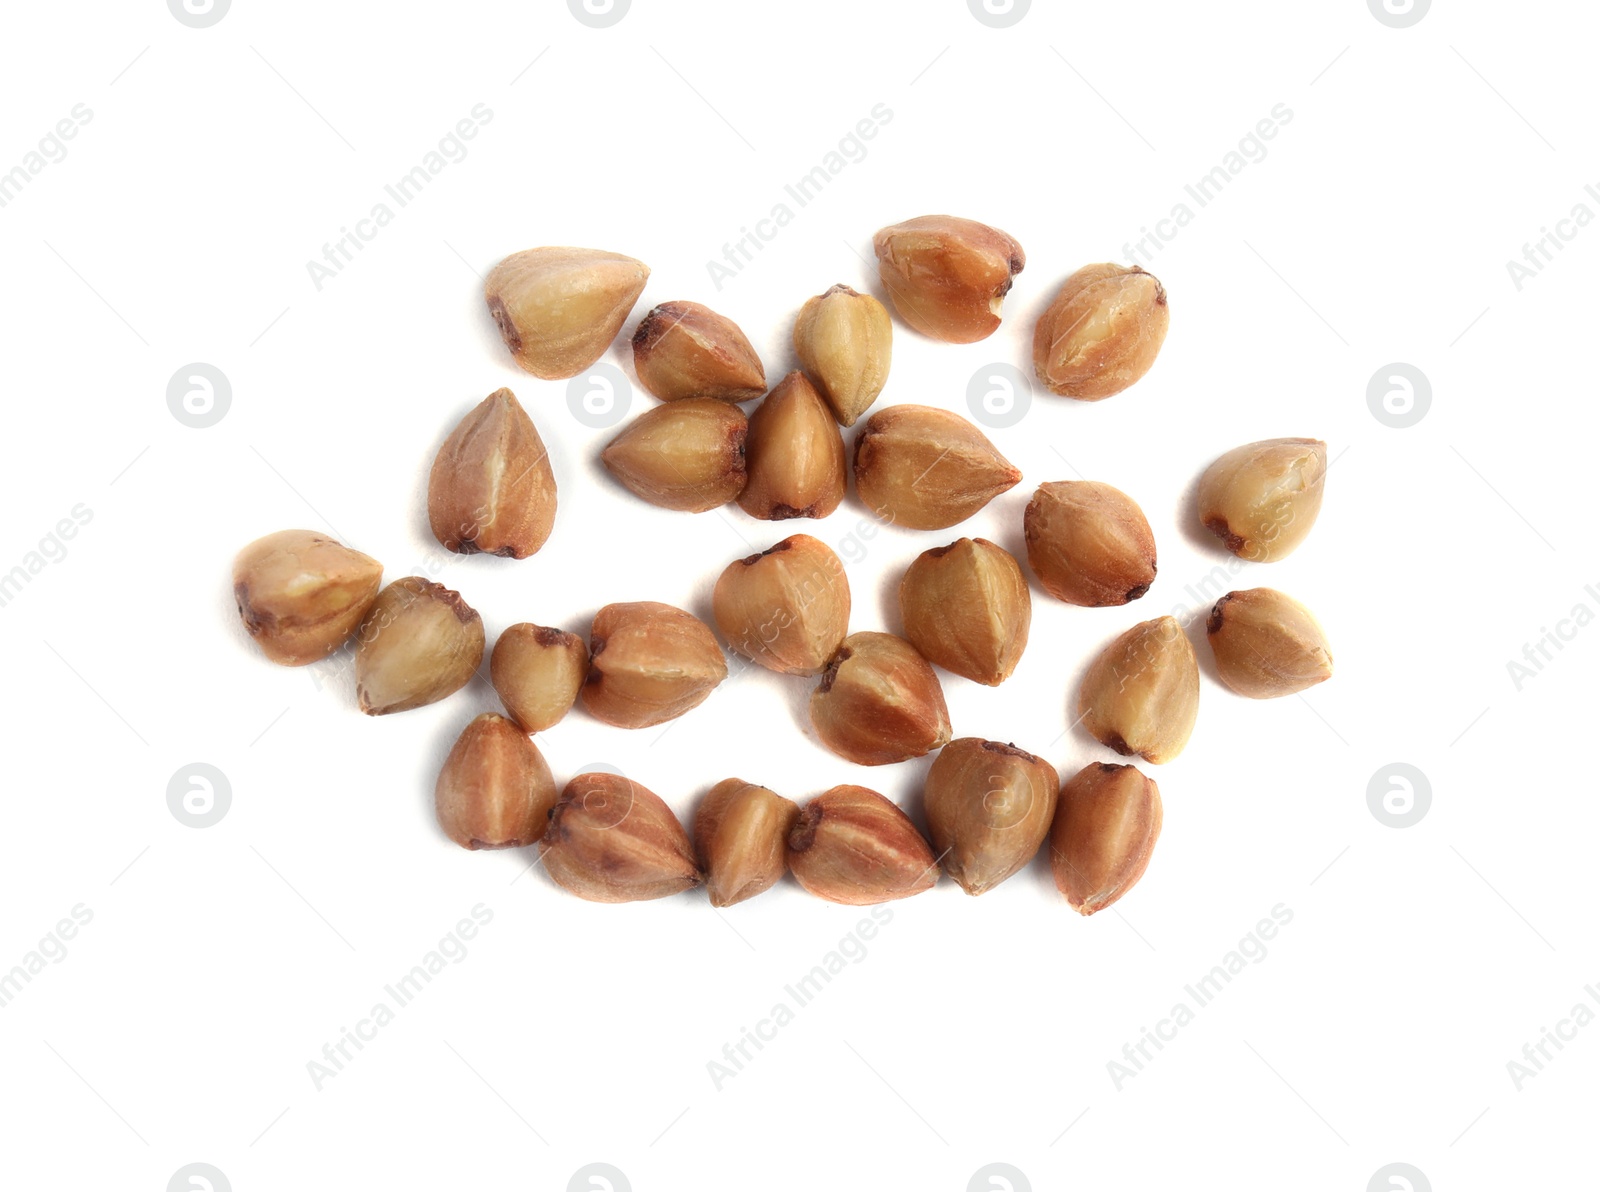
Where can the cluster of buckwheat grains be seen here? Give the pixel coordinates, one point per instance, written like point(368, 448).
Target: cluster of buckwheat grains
point(966, 607)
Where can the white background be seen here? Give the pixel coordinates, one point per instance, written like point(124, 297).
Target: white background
point(219, 961)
